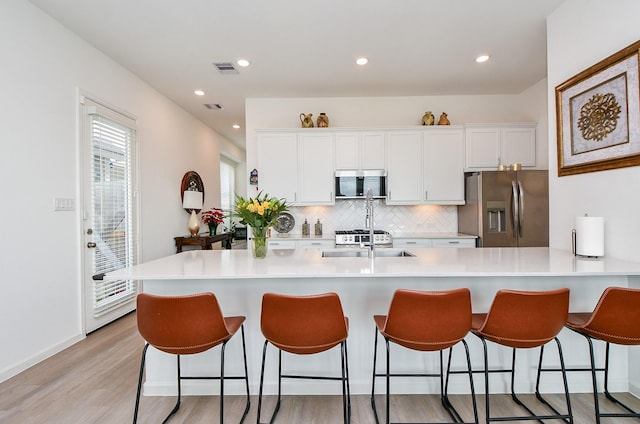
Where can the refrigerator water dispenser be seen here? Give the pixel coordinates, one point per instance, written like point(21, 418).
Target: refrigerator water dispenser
point(496, 214)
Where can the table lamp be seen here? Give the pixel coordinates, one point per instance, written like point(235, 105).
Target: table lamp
point(192, 200)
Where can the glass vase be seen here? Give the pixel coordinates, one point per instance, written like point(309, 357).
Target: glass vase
point(212, 228)
point(259, 242)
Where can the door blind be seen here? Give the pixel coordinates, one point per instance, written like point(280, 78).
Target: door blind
point(113, 209)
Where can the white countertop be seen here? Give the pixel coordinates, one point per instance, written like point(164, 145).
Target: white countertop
point(428, 262)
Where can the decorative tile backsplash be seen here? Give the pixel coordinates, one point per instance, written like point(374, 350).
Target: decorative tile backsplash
point(350, 214)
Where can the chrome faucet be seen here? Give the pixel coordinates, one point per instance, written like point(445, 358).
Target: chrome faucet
point(369, 221)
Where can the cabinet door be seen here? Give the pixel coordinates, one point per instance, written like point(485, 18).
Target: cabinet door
point(360, 150)
point(454, 242)
point(281, 244)
point(443, 166)
point(411, 242)
point(373, 150)
point(519, 146)
point(404, 172)
point(315, 169)
point(483, 147)
point(311, 244)
point(278, 165)
point(347, 150)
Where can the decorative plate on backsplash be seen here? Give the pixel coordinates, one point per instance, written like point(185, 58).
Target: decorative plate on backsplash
point(285, 223)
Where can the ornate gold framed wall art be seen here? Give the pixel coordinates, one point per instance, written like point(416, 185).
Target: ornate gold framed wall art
point(598, 115)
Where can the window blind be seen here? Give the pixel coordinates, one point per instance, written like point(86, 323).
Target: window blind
point(113, 208)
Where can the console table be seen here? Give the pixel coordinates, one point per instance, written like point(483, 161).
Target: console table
point(204, 241)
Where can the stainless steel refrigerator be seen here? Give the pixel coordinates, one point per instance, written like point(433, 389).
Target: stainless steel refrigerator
point(506, 208)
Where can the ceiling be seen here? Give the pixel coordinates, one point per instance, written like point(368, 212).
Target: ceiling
point(308, 49)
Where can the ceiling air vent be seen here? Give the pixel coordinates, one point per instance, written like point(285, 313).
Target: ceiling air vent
point(226, 68)
point(214, 106)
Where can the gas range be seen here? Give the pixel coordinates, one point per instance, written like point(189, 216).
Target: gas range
point(349, 238)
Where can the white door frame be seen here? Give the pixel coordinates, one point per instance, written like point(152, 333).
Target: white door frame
point(91, 322)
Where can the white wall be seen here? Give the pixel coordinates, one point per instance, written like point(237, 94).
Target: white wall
point(580, 33)
point(43, 67)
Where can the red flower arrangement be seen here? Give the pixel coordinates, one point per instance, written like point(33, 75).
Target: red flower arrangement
point(212, 216)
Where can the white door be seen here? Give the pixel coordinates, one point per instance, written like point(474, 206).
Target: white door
point(109, 212)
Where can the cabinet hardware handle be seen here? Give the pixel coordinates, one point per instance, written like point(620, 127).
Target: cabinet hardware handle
point(91, 245)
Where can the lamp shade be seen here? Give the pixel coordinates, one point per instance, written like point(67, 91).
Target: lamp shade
point(192, 200)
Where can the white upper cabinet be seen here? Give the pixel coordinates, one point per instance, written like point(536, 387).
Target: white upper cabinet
point(278, 165)
point(404, 167)
point(426, 166)
point(488, 146)
point(373, 150)
point(315, 169)
point(348, 150)
point(296, 166)
point(360, 150)
point(443, 166)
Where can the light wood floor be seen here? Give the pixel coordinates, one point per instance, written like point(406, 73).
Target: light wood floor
point(95, 380)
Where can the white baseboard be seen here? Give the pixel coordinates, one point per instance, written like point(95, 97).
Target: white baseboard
point(16, 369)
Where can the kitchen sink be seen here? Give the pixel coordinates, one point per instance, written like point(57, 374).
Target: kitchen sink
point(364, 253)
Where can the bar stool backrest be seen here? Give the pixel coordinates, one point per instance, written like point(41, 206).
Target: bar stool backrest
point(525, 319)
point(181, 325)
point(616, 317)
point(428, 321)
point(303, 324)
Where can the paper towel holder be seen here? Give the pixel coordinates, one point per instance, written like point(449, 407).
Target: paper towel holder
point(574, 246)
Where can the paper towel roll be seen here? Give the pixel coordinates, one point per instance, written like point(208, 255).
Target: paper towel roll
point(589, 236)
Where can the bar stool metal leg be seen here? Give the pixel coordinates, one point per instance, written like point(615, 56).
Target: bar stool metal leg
point(444, 384)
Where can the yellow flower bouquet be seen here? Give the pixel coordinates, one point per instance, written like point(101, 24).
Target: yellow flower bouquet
point(259, 213)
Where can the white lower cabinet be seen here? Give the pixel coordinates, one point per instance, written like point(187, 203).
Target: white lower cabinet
point(402, 243)
point(281, 244)
point(276, 243)
point(310, 244)
point(456, 242)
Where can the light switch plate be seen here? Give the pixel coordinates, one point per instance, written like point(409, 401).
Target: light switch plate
point(64, 204)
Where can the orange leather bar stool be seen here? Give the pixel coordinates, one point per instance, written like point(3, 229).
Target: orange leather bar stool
point(426, 322)
point(304, 325)
point(524, 320)
point(615, 319)
point(186, 325)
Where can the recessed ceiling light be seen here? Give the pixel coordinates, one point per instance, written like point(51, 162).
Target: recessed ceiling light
point(362, 61)
point(243, 62)
point(199, 93)
point(236, 126)
point(482, 58)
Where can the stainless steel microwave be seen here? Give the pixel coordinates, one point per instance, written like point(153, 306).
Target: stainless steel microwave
point(354, 184)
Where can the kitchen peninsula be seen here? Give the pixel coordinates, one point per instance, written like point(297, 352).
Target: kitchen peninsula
point(365, 287)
